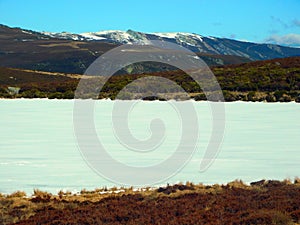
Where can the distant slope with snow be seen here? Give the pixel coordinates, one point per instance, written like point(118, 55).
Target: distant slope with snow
point(194, 42)
point(73, 53)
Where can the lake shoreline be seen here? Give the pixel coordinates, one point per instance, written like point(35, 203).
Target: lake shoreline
point(146, 100)
point(261, 202)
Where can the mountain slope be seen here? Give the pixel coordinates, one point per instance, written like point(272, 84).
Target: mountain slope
point(194, 42)
point(32, 50)
point(269, 80)
point(73, 53)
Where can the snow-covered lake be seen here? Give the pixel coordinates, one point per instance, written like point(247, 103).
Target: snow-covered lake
point(38, 148)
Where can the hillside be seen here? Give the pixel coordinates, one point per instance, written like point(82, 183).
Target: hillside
point(36, 51)
point(270, 80)
point(191, 41)
point(73, 53)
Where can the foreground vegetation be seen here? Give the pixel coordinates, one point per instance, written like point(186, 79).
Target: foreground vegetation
point(271, 81)
point(263, 202)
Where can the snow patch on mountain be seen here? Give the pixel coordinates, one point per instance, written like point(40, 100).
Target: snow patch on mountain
point(92, 36)
point(166, 35)
point(26, 32)
point(191, 41)
point(65, 35)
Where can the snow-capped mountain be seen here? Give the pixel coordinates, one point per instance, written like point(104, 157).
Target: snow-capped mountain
point(73, 53)
point(194, 42)
point(65, 35)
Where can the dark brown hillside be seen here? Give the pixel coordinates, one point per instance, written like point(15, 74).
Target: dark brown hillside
point(73, 53)
point(37, 84)
point(290, 62)
point(15, 77)
point(32, 50)
point(35, 51)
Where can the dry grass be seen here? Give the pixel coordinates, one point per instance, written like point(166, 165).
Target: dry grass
point(67, 44)
point(297, 180)
point(17, 206)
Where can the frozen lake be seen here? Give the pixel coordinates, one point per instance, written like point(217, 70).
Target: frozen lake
point(38, 148)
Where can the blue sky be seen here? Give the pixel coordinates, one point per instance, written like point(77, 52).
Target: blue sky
point(274, 21)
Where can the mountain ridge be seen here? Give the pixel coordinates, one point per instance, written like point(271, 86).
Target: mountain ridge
point(73, 53)
point(192, 41)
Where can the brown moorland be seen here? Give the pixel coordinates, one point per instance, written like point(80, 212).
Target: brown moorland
point(263, 202)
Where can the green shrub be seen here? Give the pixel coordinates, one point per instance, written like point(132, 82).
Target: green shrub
point(270, 98)
point(200, 97)
point(251, 96)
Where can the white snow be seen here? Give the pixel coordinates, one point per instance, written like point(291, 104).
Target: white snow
point(92, 36)
point(63, 35)
point(195, 36)
point(26, 32)
point(48, 33)
point(175, 35)
point(166, 35)
point(104, 32)
point(117, 35)
point(212, 38)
